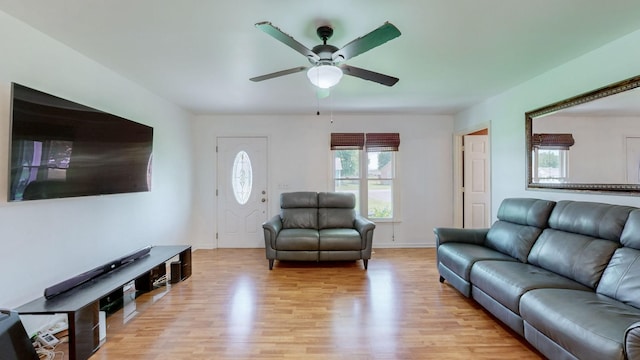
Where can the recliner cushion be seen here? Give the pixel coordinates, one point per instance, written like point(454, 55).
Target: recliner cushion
point(525, 211)
point(332, 218)
point(512, 239)
point(342, 200)
point(578, 257)
point(300, 199)
point(507, 281)
point(297, 239)
point(631, 234)
point(520, 221)
point(340, 239)
point(587, 324)
point(460, 257)
point(621, 278)
point(301, 218)
point(598, 220)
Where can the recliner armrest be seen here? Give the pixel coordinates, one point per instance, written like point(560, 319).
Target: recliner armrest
point(632, 341)
point(271, 229)
point(274, 224)
point(469, 236)
point(363, 225)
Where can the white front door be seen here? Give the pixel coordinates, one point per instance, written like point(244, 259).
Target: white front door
point(242, 191)
point(477, 194)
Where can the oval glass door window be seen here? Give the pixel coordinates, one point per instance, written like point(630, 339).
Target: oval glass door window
point(242, 177)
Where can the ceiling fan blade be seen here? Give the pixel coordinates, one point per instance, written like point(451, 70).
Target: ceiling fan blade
point(279, 73)
point(369, 75)
point(367, 42)
point(286, 39)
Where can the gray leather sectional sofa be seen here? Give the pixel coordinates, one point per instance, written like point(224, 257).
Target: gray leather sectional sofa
point(318, 227)
point(565, 275)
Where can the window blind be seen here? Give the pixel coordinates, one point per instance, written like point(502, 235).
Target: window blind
point(382, 142)
point(553, 141)
point(347, 141)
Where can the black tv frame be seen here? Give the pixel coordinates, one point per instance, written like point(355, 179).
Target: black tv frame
point(60, 148)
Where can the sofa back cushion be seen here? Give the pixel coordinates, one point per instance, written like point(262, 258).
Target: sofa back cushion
point(299, 210)
point(631, 234)
point(520, 222)
point(336, 210)
point(598, 220)
point(580, 240)
point(621, 278)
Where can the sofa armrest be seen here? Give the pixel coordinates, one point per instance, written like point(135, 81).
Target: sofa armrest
point(632, 341)
point(271, 229)
point(365, 227)
point(469, 236)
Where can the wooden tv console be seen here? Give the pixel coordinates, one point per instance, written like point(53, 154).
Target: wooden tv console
point(82, 303)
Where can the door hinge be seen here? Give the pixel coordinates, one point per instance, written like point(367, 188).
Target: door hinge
point(216, 192)
point(216, 148)
point(216, 236)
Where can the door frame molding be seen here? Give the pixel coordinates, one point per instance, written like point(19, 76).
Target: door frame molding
point(458, 173)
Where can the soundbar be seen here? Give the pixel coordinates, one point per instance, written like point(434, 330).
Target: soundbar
point(77, 280)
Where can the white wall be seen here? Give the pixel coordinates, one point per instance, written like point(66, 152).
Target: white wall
point(616, 61)
point(46, 241)
point(299, 157)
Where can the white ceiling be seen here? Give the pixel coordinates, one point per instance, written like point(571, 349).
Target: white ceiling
point(452, 53)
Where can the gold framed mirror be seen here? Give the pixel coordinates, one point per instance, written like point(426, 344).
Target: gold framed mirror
point(590, 142)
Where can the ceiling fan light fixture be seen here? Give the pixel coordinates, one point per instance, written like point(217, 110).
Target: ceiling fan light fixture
point(324, 76)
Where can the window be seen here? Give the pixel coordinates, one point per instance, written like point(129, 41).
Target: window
point(366, 167)
point(551, 157)
point(550, 165)
point(242, 177)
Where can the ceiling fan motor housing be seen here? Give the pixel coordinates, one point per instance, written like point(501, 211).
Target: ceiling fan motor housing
point(325, 53)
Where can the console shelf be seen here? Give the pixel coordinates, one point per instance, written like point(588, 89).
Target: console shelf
point(82, 303)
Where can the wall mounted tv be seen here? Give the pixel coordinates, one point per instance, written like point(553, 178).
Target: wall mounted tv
point(63, 149)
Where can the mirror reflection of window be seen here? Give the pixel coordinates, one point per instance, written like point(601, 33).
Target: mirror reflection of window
point(550, 165)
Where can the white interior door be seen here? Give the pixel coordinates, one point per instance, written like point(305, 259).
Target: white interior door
point(242, 191)
point(477, 187)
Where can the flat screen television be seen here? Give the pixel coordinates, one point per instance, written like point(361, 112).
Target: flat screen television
point(63, 149)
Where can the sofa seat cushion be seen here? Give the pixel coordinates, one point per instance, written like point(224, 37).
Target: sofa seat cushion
point(297, 239)
point(587, 324)
point(340, 239)
point(460, 257)
point(507, 281)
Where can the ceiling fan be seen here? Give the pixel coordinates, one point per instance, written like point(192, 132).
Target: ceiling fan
point(327, 61)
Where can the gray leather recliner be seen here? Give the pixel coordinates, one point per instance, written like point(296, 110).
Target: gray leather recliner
point(318, 227)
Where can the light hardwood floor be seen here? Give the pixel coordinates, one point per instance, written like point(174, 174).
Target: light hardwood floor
point(233, 307)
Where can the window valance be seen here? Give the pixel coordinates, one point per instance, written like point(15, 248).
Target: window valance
point(382, 142)
point(370, 141)
point(552, 141)
point(347, 141)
